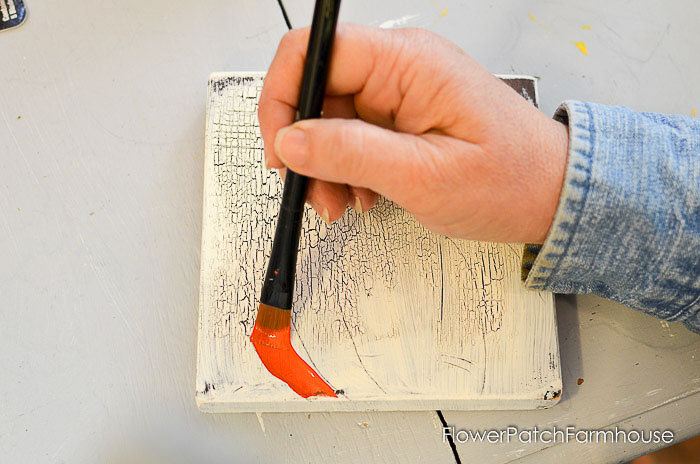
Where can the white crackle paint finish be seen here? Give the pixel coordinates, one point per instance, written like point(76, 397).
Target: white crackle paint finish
point(397, 317)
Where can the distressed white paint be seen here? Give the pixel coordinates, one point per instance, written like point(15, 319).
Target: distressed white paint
point(397, 317)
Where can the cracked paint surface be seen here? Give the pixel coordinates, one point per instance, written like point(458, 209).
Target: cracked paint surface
point(382, 306)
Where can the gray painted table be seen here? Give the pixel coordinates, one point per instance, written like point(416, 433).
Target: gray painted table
point(101, 142)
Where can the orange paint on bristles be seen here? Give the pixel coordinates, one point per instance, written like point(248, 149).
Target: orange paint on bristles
point(272, 341)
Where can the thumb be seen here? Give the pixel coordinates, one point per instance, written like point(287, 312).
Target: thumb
point(351, 151)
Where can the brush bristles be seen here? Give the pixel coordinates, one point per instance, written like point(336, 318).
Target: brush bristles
point(272, 318)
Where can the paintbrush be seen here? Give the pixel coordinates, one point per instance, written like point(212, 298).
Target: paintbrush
point(271, 333)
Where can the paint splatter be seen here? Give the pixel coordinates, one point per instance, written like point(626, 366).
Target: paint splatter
point(693, 113)
point(532, 18)
point(260, 421)
point(442, 14)
point(582, 47)
point(398, 22)
point(586, 27)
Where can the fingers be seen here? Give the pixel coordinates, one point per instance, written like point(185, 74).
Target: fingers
point(362, 155)
point(371, 74)
point(341, 107)
point(354, 51)
point(362, 199)
point(328, 199)
point(333, 107)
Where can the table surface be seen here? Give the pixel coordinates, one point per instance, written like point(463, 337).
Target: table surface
point(101, 143)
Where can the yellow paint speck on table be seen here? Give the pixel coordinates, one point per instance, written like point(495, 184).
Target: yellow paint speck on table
point(532, 18)
point(586, 27)
point(443, 13)
point(693, 113)
point(582, 47)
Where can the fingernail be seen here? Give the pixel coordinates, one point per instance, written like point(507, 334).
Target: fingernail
point(325, 216)
point(291, 146)
point(358, 205)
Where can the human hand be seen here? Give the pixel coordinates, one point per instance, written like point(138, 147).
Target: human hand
point(410, 116)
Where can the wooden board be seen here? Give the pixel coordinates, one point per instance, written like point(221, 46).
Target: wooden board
point(396, 317)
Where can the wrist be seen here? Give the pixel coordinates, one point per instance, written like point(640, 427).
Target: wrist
point(554, 147)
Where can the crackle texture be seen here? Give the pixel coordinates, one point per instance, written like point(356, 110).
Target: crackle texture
point(386, 311)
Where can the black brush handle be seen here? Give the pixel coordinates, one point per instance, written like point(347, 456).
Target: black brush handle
point(278, 288)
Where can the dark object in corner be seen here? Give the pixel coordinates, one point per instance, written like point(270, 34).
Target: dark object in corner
point(12, 13)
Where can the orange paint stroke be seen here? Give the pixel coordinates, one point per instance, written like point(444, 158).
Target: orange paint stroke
point(272, 341)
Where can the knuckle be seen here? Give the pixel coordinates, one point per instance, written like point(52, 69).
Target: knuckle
point(262, 103)
point(287, 39)
point(422, 37)
point(432, 170)
point(293, 38)
point(352, 135)
point(342, 145)
point(415, 33)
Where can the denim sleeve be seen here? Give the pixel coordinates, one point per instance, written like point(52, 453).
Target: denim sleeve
point(627, 226)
